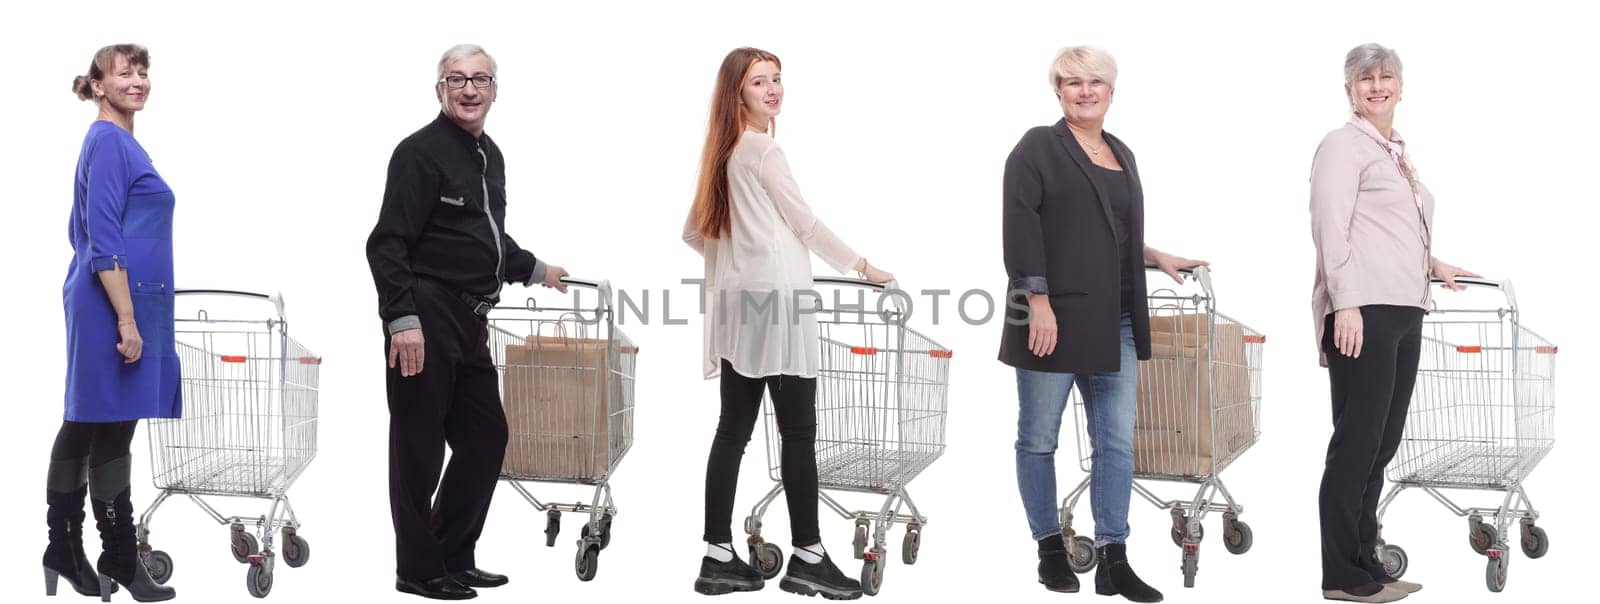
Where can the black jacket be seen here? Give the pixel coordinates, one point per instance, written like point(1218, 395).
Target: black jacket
point(1059, 240)
point(435, 224)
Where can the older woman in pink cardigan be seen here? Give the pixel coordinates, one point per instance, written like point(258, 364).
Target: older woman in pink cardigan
point(1372, 222)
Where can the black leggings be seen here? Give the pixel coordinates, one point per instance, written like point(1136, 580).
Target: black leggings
point(100, 442)
point(1370, 397)
point(794, 399)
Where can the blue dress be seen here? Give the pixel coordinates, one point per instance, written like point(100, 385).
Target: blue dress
point(121, 217)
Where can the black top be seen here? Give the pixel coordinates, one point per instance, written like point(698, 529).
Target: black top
point(443, 207)
point(1120, 195)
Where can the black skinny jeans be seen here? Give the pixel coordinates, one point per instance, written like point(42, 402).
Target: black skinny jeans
point(794, 400)
point(100, 442)
point(1370, 397)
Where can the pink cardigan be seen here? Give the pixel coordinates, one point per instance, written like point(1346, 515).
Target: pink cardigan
point(1373, 237)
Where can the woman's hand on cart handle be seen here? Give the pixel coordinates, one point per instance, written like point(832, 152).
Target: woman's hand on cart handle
point(1448, 273)
point(1041, 325)
point(552, 278)
point(1170, 264)
point(130, 344)
point(406, 347)
point(1348, 328)
point(872, 273)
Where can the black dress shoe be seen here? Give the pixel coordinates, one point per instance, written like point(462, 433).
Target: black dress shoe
point(440, 588)
point(476, 577)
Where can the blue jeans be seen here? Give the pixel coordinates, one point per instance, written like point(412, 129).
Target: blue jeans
point(1110, 400)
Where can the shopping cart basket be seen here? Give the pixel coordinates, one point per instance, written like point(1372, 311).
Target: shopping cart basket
point(567, 384)
point(1482, 416)
point(249, 428)
point(1199, 409)
point(881, 390)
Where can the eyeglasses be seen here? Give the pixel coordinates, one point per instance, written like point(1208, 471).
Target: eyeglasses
point(457, 82)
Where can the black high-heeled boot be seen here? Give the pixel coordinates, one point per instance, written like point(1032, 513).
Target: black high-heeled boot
point(1115, 576)
point(113, 514)
point(66, 485)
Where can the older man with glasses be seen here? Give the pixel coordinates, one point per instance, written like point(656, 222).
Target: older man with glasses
point(439, 255)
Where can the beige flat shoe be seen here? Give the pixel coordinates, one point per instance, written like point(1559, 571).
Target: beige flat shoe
point(1386, 594)
point(1404, 586)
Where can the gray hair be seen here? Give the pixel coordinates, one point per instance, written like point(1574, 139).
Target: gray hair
point(462, 51)
point(1367, 57)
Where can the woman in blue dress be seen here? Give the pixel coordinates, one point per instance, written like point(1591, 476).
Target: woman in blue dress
point(122, 364)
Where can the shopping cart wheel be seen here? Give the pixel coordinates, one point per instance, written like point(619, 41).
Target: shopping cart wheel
point(1481, 535)
point(243, 544)
point(910, 545)
point(296, 552)
point(588, 561)
point(1395, 561)
point(159, 565)
point(552, 527)
point(1191, 565)
point(1534, 542)
point(1495, 574)
point(258, 580)
point(1081, 554)
point(767, 558)
point(1236, 536)
point(605, 531)
point(872, 572)
point(860, 541)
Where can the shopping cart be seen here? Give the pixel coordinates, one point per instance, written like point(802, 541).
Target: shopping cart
point(249, 428)
point(567, 384)
point(1199, 409)
point(1482, 417)
point(881, 390)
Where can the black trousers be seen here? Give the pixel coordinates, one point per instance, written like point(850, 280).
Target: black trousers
point(100, 442)
point(794, 400)
point(454, 401)
point(1370, 397)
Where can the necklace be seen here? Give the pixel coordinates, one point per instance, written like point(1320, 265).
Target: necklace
point(1092, 149)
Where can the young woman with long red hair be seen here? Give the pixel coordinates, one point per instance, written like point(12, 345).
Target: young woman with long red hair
point(756, 235)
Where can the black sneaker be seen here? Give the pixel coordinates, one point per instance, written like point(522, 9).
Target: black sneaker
point(821, 578)
point(717, 578)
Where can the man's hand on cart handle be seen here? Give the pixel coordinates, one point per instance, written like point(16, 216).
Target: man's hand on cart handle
point(406, 346)
point(1347, 331)
point(552, 278)
point(1041, 325)
point(1170, 264)
point(1448, 273)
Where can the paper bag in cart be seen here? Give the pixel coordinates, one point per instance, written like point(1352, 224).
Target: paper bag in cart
point(1192, 397)
point(557, 403)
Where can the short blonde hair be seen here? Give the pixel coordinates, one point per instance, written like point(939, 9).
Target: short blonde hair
point(1083, 61)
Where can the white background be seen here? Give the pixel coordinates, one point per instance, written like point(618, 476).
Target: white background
point(273, 123)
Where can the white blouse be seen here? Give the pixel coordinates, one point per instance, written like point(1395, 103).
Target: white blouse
point(752, 315)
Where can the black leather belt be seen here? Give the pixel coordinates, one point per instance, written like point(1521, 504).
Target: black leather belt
point(478, 305)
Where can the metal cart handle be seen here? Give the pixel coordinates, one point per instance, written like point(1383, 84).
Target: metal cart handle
point(1201, 274)
point(1504, 285)
point(872, 285)
point(603, 286)
point(275, 299)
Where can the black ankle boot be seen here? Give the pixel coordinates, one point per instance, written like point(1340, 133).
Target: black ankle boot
point(113, 514)
point(66, 485)
point(1054, 572)
point(1114, 576)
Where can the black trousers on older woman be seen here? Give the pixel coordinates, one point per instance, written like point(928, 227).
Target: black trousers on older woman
point(1371, 394)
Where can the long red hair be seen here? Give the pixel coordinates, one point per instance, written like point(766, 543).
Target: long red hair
point(727, 123)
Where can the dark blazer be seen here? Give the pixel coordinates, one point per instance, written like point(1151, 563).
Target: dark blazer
point(1059, 240)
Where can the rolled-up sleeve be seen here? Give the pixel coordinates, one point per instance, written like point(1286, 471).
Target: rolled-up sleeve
point(1022, 231)
point(408, 199)
point(107, 188)
point(780, 185)
point(1335, 182)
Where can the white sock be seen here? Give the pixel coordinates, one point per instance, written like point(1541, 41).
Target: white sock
point(810, 554)
point(721, 552)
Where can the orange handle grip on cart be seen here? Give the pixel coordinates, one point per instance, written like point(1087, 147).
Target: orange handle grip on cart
point(941, 354)
point(1469, 349)
point(1544, 349)
point(310, 360)
point(233, 358)
point(1252, 339)
point(866, 350)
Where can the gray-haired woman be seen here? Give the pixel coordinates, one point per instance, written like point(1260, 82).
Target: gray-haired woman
point(1371, 220)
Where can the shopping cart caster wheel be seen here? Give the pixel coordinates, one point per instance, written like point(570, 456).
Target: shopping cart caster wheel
point(1191, 566)
point(872, 574)
point(1495, 574)
point(1081, 556)
point(1482, 536)
point(859, 543)
point(1395, 560)
point(1237, 537)
point(1535, 543)
point(296, 552)
point(159, 565)
point(588, 561)
point(605, 531)
point(552, 527)
point(910, 545)
point(243, 544)
point(767, 558)
point(259, 581)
